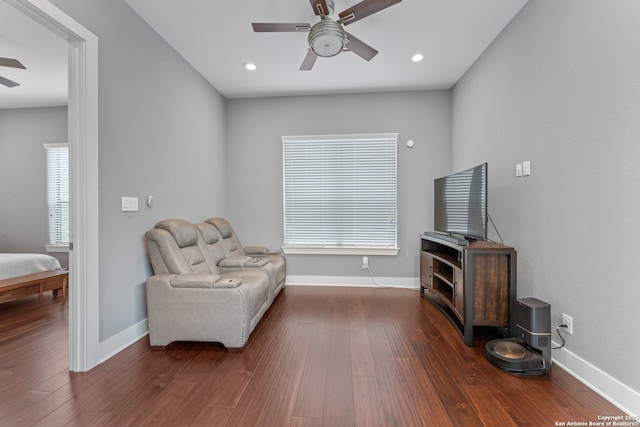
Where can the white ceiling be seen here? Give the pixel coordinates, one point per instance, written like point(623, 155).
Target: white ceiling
point(216, 38)
point(44, 82)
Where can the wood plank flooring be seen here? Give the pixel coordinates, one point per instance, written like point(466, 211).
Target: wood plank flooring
point(321, 356)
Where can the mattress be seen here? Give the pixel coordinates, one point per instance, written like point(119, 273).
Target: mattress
point(12, 265)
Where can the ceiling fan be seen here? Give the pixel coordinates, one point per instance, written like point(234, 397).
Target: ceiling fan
point(10, 62)
point(327, 37)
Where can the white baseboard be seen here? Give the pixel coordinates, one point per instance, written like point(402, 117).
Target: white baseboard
point(122, 340)
point(366, 281)
point(621, 395)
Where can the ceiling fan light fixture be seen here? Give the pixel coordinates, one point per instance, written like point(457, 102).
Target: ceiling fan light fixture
point(327, 38)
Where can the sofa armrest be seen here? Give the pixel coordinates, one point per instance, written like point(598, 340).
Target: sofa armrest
point(228, 283)
point(239, 262)
point(261, 250)
point(192, 280)
point(234, 261)
point(257, 262)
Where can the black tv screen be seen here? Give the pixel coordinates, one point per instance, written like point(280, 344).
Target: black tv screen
point(460, 203)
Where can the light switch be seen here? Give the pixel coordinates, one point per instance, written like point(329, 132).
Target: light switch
point(129, 204)
point(519, 169)
point(526, 168)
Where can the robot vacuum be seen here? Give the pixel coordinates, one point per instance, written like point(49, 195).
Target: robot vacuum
point(529, 353)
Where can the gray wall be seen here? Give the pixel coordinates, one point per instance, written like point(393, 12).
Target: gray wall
point(161, 133)
point(560, 87)
point(254, 179)
point(23, 177)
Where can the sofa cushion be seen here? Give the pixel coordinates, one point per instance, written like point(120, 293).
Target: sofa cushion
point(196, 260)
point(184, 233)
point(230, 242)
point(223, 226)
point(209, 233)
point(176, 246)
point(212, 242)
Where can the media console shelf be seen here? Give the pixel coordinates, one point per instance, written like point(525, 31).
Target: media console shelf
point(474, 285)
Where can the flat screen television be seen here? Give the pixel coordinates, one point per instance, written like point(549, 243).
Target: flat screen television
point(460, 203)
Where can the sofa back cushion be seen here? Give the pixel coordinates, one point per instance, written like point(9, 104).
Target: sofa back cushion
point(176, 246)
point(213, 242)
point(230, 242)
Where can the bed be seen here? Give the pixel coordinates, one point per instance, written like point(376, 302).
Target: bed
point(28, 274)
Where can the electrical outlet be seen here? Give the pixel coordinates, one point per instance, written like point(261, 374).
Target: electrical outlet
point(568, 320)
point(365, 262)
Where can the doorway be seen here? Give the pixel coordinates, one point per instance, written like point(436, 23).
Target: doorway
point(84, 346)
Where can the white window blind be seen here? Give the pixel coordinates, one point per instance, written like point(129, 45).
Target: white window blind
point(58, 193)
point(340, 194)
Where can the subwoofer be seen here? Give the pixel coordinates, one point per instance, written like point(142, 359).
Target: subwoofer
point(529, 352)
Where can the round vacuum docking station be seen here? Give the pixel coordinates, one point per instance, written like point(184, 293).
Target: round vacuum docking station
point(514, 356)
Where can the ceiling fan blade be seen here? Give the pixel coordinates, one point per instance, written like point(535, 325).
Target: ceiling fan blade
point(364, 9)
point(8, 83)
point(10, 62)
point(360, 48)
point(320, 7)
point(309, 61)
point(276, 28)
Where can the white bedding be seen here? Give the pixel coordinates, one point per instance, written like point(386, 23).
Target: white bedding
point(12, 265)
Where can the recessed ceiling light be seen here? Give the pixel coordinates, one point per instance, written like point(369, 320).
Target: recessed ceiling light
point(250, 66)
point(417, 57)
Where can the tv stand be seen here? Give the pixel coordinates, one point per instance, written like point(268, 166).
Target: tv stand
point(473, 285)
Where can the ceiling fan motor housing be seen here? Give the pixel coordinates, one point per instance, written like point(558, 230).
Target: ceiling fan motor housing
point(327, 38)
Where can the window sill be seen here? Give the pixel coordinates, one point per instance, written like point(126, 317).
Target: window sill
point(57, 248)
point(335, 250)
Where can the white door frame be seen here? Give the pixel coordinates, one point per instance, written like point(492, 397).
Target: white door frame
point(84, 315)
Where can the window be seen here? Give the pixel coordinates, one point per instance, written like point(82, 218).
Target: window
point(340, 194)
point(58, 196)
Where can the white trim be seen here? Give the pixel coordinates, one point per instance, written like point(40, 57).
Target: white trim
point(84, 316)
point(616, 392)
point(55, 145)
point(56, 248)
point(366, 281)
point(334, 250)
point(115, 344)
point(344, 137)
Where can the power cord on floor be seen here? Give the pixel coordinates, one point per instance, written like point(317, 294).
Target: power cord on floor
point(371, 274)
point(377, 285)
point(561, 338)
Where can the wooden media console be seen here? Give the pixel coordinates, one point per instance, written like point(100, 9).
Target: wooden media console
point(474, 284)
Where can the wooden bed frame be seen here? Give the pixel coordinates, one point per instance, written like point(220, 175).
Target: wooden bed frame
point(35, 283)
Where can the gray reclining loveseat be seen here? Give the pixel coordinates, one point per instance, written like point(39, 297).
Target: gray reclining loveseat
point(232, 249)
point(189, 298)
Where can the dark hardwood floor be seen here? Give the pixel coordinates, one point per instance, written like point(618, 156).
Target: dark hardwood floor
point(321, 356)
